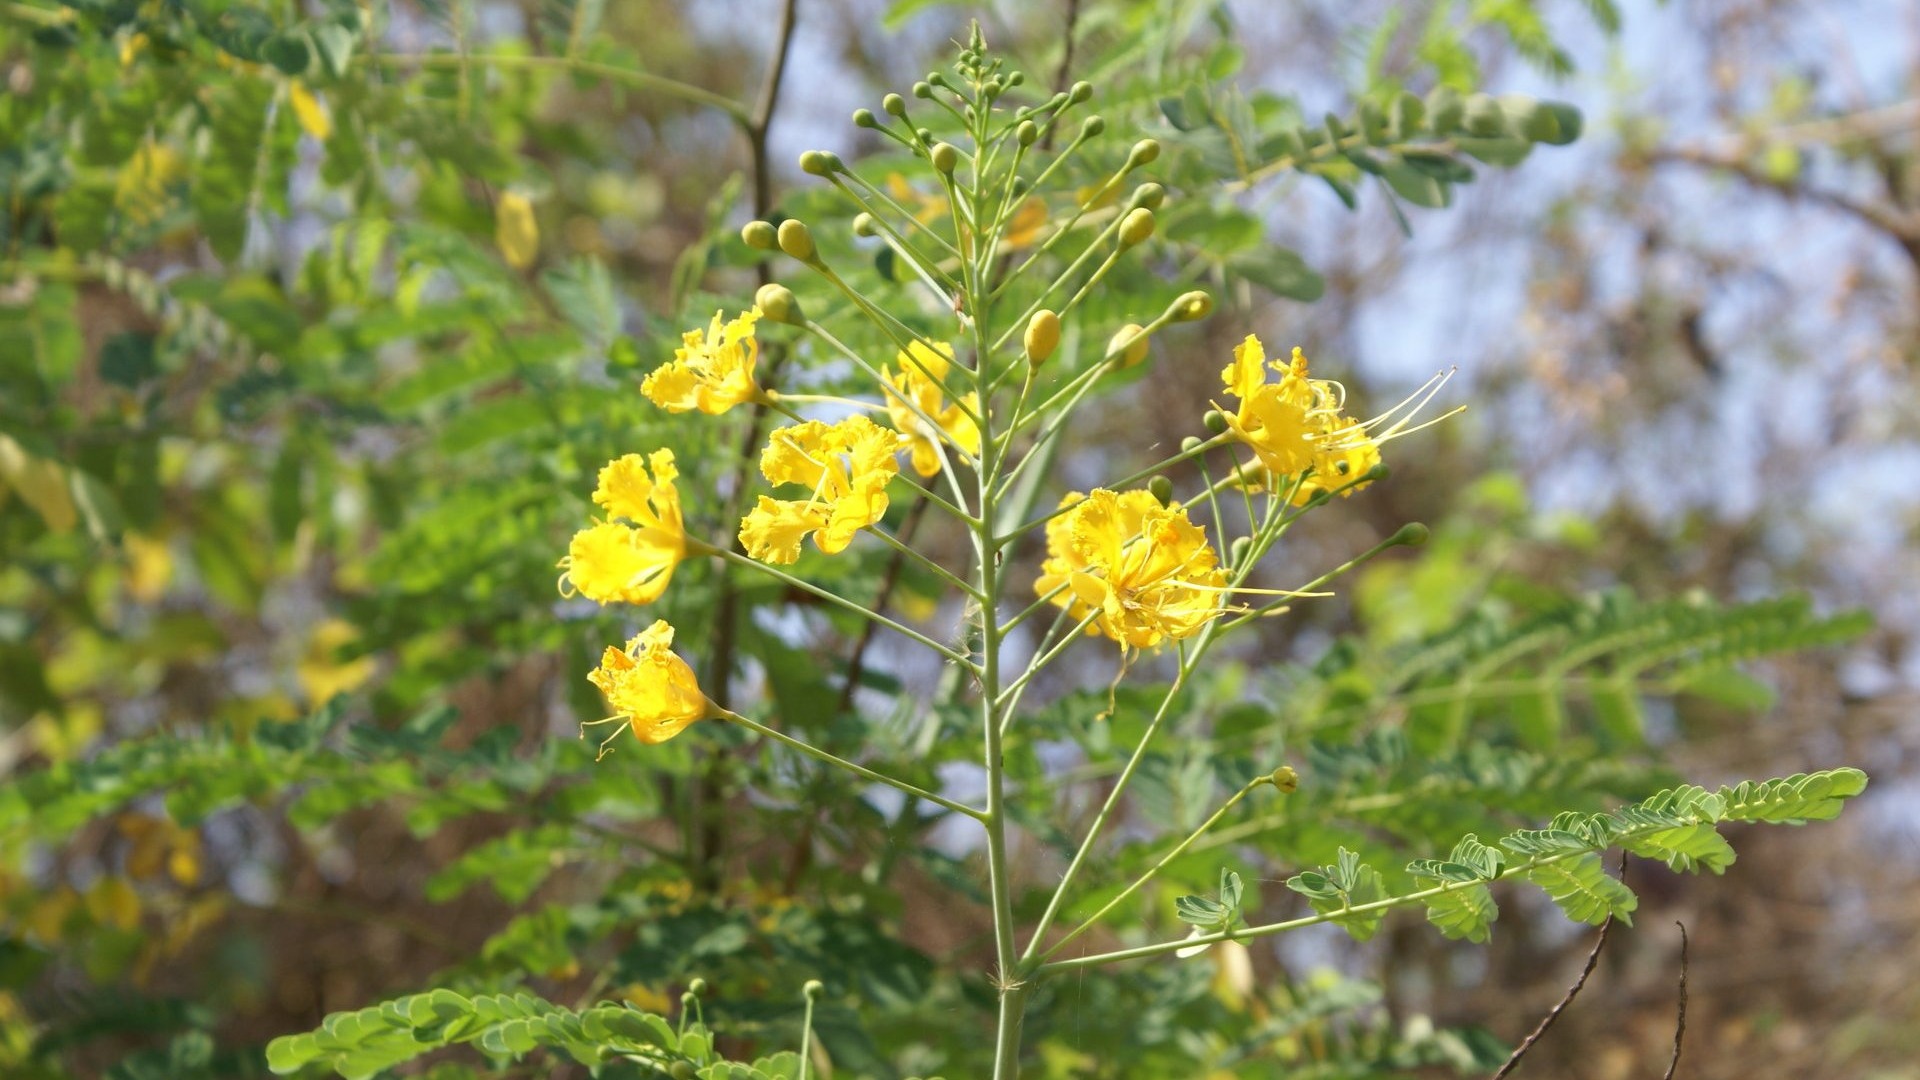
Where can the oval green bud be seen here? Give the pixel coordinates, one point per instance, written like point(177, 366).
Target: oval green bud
point(820, 162)
point(1378, 472)
point(1149, 195)
point(1144, 153)
point(1215, 421)
point(1028, 133)
point(1444, 110)
point(1484, 117)
point(1079, 92)
point(923, 90)
point(682, 1070)
point(1042, 336)
point(1015, 78)
point(1239, 551)
point(1412, 534)
point(1286, 779)
point(864, 225)
point(946, 157)
point(813, 989)
point(1091, 126)
point(697, 987)
point(796, 240)
point(865, 118)
point(1191, 443)
point(1129, 346)
point(759, 234)
point(1190, 306)
point(895, 104)
point(1161, 489)
point(1136, 227)
point(777, 304)
point(925, 135)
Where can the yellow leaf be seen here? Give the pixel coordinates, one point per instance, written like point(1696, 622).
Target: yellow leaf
point(308, 109)
point(42, 483)
point(516, 231)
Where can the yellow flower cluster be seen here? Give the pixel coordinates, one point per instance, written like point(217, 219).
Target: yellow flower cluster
point(1296, 426)
point(1145, 570)
point(610, 560)
point(846, 467)
point(711, 371)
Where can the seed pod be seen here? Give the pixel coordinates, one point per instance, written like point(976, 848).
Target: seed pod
point(1042, 337)
point(1028, 133)
point(1144, 152)
point(865, 118)
point(864, 225)
point(1136, 227)
point(777, 304)
point(1215, 421)
point(1286, 779)
point(1162, 490)
point(1190, 306)
point(1129, 346)
point(945, 157)
point(759, 234)
point(1148, 195)
point(796, 240)
point(895, 104)
point(821, 162)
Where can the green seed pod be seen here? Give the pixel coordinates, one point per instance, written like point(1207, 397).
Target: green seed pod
point(1144, 152)
point(1162, 490)
point(1239, 551)
point(1136, 227)
point(1042, 336)
point(922, 90)
point(760, 235)
point(1191, 443)
point(1028, 133)
point(1286, 779)
point(777, 304)
point(1149, 195)
point(864, 225)
point(1129, 346)
point(865, 118)
point(1215, 421)
point(1483, 117)
point(945, 157)
point(1190, 306)
point(895, 104)
point(796, 240)
point(813, 989)
point(1091, 126)
point(1444, 110)
point(820, 162)
point(1080, 92)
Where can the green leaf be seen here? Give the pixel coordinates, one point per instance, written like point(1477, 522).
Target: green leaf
point(1463, 912)
point(1582, 888)
point(1689, 848)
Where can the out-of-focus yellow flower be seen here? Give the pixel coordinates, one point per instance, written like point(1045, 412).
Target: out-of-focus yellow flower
point(649, 687)
point(515, 230)
point(158, 844)
point(1023, 227)
point(140, 191)
point(846, 465)
point(917, 385)
point(1281, 422)
point(611, 560)
point(309, 111)
point(321, 673)
point(1341, 457)
point(711, 371)
point(149, 566)
point(1146, 569)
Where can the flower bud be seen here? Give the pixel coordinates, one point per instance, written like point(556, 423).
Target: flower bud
point(1015, 78)
point(865, 118)
point(682, 1070)
point(1028, 133)
point(1286, 779)
point(1190, 306)
point(1239, 550)
point(1412, 534)
point(1042, 337)
point(1378, 472)
point(1144, 152)
point(759, 234)
point(1162, 490)
point(1092, 126)
point(864, 225)
point(925, 135)
point(1191, 443)
point(796, 240)
point(821, 162)
point(922, 90)
point(813, 989)
point(777, 304)
point(894, 104)
point(1136, 227)
point(1080, 92)
point(1215, 421)
point(1149, 196)
point(1128, 347)
point(1484, 117)
point(945, 157)
point(697, 987)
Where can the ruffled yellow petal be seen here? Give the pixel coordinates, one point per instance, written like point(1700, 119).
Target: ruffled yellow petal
point(1145, 569)
point(916, 386)
point(632, 563)
point(846, 468)
point(712, 371)
point(773, 529)
point(650, 687)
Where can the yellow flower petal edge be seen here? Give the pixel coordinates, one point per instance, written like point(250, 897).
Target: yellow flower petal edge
point(1145, 570)
point(916, 385)
point(846, 466)
point(710, 372)
point(649, 687)
point(629, 561)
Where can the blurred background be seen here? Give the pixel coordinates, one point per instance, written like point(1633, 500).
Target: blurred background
point(286, 417)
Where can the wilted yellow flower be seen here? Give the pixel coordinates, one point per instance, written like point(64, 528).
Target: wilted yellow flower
point(917, 385)
point(1281, 422)
point(610, 560)
point(1145, 568)
point(711, 371)
point(846, 465)
point(649, 687)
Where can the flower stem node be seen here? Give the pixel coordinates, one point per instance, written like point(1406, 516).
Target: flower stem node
point(777, 304)
point(1144, 153)
point(760, 235)
point(813, 989)
point(1162, 490)
point(826, 162)
point(1215, 421)
point(894, 105)
point(1080, 92)
point(1028, 133)
point(945, 157)
point(796, 240)
point(1137, 227)
point(1190, 307)
point(1286, 779)
point(1042, 337)
point(1148, 195)
point(1128, 347)
point(864, 225)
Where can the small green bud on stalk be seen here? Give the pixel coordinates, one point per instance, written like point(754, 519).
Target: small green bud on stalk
point(1144, 152)
point(1286, 779)
point(1091, 126)
point(925, 135)
point(1214, 421)
point(1080, 92)
point(1015, 78)
point(821, 162)
point(697, 987)
point(1042, 336)
point(1239, 550)
point(1129, 346)
point(945, 157)
point(1412, 534)
point(813, 989)
point(1136, 227)
point(681, 1070)
point(760, 235)
point(1161, 489)
point(894, 104)
point(1378, 472)
point(864, 225)
point(1484, 116)
point(1028, 133)
point(865, 118)
point(1190, 307)
point(1149, 196)
point(796, 240)
point(921, 90)
point(777, 304)
point(1191, 443)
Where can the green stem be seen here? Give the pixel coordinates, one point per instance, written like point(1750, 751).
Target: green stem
point(842, 763)
point(834, 598)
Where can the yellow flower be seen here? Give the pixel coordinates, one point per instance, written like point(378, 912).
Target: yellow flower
point(1342, 455)
point(1146, 569)
point(309, 111)
point(917, 385)
point(611, 561)
point(515, 230)
point(1279, 421)
point(711, 371)
point(649, 687)
point(846, 465)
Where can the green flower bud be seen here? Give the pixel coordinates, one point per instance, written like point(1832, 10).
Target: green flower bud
point(865, 118)
point(777, 304)
point(759, 234)
point(1042, 337)
point(1028, 133)
point(1190, 306)
point(1148, 195)
point(821, 162)
point(864, 225)
point(945, 157)
point(1484, 117)
point(1444, 110)
point(1144, 152)
point(1129, 346)
point(1215, 421)
point(895, 104)
point(1191, 443)
point(1286, 779)
point(1412, 534)
point(1136, 227)
point(925, 135)
point(697, 987)
point(1080, 92)
point(923, 90)
point(1015, 78)
point(1162, 490)
point(796, 240)
point(1240, 550)
point(1378, 472)
point(682, 1070)
point(1092, 126)
point(813, 989)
